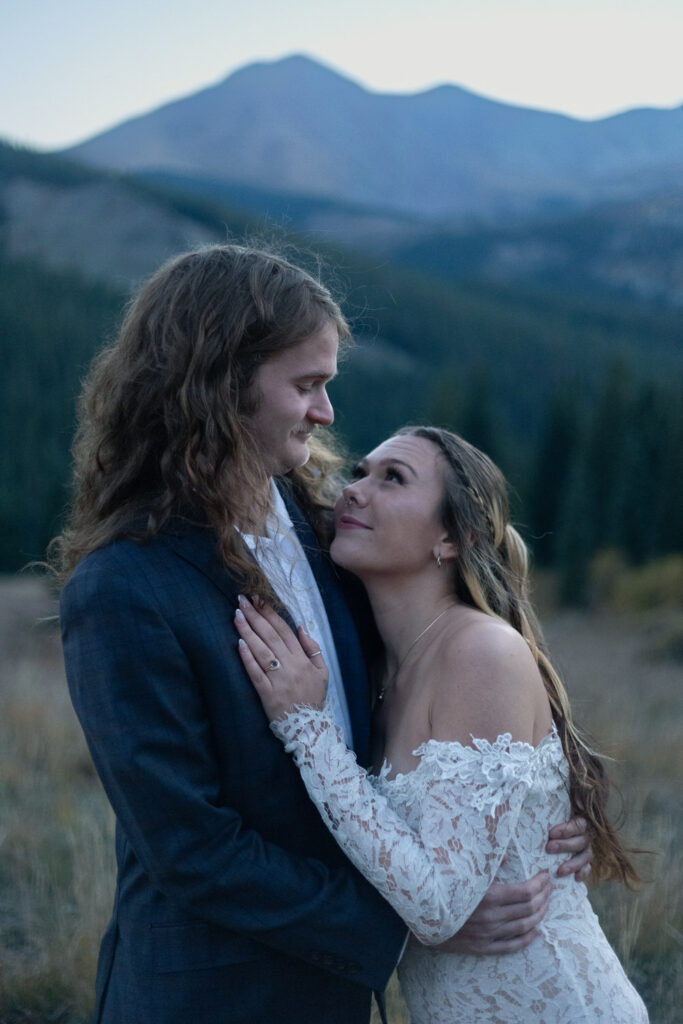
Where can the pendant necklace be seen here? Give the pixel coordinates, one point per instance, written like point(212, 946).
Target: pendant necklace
point(383, 689)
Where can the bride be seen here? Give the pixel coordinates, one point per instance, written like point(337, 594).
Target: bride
point(476, 752)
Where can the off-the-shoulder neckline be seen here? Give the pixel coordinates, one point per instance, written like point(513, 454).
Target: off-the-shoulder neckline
point(503, 744)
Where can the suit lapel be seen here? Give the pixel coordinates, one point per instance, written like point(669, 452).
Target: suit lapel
point(349, 653)
point(197, 544)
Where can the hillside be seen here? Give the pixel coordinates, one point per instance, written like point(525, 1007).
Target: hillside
point(294, 125)
point(107, 228)
point(631, 250)
point(111, 230)
point(484, 357)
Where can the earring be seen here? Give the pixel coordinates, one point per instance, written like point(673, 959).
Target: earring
point(438, 561)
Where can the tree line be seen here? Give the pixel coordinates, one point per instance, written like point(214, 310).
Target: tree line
point(594, 458)
point(609, 476)
point(603, 472)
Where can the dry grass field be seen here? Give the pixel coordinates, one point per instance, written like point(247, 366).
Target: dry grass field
point(56, 848)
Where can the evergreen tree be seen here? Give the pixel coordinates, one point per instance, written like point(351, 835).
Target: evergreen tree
point(651, 517)
point(444, 405)
point(50, 326)
point(605, 452)
point(640, 477)
point(576, 533)
point(479, 423)
point(668, 498)
point(550, 472)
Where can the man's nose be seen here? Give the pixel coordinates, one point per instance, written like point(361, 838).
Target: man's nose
point(321, 411)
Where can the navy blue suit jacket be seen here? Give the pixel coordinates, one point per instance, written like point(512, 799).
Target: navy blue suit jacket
point(233, 903)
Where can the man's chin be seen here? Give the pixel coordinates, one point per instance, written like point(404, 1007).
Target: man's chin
point(292, 461)
point(303, 455)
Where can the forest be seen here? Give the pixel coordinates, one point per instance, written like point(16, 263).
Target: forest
point(578, 396)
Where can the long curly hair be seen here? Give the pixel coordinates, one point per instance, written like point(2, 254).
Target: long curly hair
point(491, 573)
point(163, 416)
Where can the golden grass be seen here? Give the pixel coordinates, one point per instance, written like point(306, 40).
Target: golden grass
point(56, 830)
point(631, 699)
point(56, 836)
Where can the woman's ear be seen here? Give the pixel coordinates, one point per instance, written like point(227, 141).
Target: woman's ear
point(444, 550)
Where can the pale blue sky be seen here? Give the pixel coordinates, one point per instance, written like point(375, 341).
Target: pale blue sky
point(70, 68)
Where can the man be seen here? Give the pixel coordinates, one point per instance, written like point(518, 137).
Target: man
point(233, 903)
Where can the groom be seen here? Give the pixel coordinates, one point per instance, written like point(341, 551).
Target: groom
point(233, 903)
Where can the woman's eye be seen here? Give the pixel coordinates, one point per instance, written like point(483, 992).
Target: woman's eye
point(357, 473)
point(394, 474)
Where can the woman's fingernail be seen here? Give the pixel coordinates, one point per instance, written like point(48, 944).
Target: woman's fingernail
point(241, 598)
point(239, 614)
point(241, 642)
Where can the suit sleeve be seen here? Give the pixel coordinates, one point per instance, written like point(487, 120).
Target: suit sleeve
point(144, 716)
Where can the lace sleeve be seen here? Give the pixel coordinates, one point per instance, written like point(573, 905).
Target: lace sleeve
point(470, 798)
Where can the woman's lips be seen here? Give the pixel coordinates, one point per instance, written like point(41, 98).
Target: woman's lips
point(349, 523)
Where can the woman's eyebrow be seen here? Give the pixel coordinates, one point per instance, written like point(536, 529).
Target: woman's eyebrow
point(389, 462)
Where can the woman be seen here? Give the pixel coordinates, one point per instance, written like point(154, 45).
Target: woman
point(477, 754)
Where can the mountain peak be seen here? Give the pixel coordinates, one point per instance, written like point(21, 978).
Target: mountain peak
point(295, 67)
point(298, 126)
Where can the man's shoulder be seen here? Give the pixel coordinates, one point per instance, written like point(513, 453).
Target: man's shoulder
point(125, 558)
point(120, 556)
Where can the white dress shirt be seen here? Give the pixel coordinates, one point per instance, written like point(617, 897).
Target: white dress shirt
point(280, 555)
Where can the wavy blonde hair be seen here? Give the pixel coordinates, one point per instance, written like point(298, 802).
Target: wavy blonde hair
point(492, 574)
point(163, 417)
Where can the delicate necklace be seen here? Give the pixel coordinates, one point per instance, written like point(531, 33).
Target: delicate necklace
point(383, 689)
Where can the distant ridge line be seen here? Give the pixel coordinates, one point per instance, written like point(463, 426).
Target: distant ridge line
point(295, 125)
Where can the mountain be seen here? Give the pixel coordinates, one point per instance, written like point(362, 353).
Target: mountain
point(631, 248)
point(484, 356)
point(634, 249)
point(296, 126)
point(107, 228)
point(414, 319)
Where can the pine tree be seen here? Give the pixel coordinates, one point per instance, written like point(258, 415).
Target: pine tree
point(604, 450)
point(639, 477)
point(478, 422)
point(550, 472)
point(576, 530)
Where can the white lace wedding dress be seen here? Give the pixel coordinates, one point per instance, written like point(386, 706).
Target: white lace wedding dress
point(433, 840)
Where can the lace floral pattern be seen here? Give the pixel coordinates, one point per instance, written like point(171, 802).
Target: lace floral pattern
point(432, 841)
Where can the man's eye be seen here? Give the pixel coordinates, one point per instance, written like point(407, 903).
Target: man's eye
point(394, 474)
point(357, 473)
point(305, 388)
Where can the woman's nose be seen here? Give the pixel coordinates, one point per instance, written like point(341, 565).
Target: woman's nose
point(353, 493)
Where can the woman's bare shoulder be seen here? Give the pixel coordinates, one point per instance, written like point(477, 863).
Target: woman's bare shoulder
point(487, 680)
point(481, 641)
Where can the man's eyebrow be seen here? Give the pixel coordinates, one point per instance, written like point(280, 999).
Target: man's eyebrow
point(317, 375)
